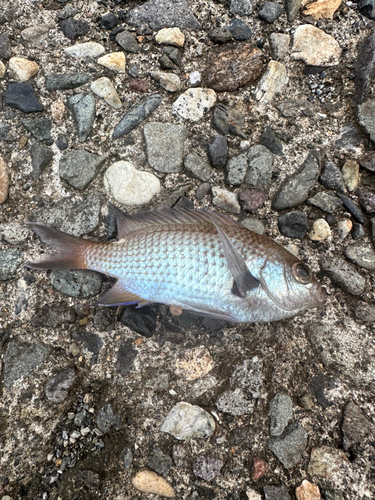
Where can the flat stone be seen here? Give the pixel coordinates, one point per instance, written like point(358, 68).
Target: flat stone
point(169, 81)
point(170, 36)
point(364, 68)
point(41, 157)
point(83, 50)
point(294, 190)
point(271, 142)
point(207, 468)
point(5, 47)
point(109, 21)
point(366, 114)
point(159, 461)
point(231, 67)
point(128, 41)
point(290, 446)
point(356, 426)
point(326, 462)
point(331, 177)
point(36, 34)
point(186, 421)
point(276, 492)
point(165, 146)
point(10, 260)
point(83, 108)
point(218, 151)
point(292, 8)
point(194, 363)
point(295, 107)
point(149, 482)
point(74, 28)
point(240, 30)
point(4, 181)
point(270, 11)
point(65, 81)
point(259, 173)
point(280, 45)
point(192, 104)
point(103, 87)
point(126, 356)
point(76, 283)
point(225, 200)
point(136, 114)
point(114, 61)
point(220, 35)
point(254, 224)
point(236, 170)
point(320, 230)
point(322, 9)
point(281, 413)
point(23, 68)
point(79, 168)
point(22, 96)
point(241, 7)
point(325, 201)
point(272, 82)
point(251, 199)
point(198, 166)
point(174, 54)
point(307, 490)
point(315, 47)
point(293, 224)
point(350, 137)
point(362, 254)
point(130, 186)
point(39, 127)
point(57, 387)
point(235, 403)
point(343, 274)
point(229, 120)
point(108, 418)
point(159, 14)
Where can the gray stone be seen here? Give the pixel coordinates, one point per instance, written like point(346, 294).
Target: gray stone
point(207, 468)
point(21, 359)
point(62, 142)
point(57, 387)
point(271, 142)
point(107, 418)
point(165, 146)
point(367, 8)
point(79, 168)
point(290, 446)
point(174, 54)
point(109, 21)
point(127, 457)
point(260, 167)
point(236, 170)
point(280, 45)
point(251, 199)
point(235, 403)
point(249, 376)
point(218, 151)
point(74, 28)
point(159, 14)
point(325, 201)
point(295, 107)
point(83, 108)
point(254, 224)
point(364, 67)
point(365, 312)
point(367, 200)
point(5, 47)
point(220, 35)
point(198, 166)
point(186, 421)
point(362, 254)
point(270, 11)
point(294, 190)
point(292, 8)
point(76, 283)
point(357, 231)
point(125, 358)
point(366, 113)
point(293, 224)
point(65, 81)
point(281, 413)
point(22, 96)
point(229, 120)
point(104, 320)
point(41, 156)
point(10, 259)
point(4, 130)
point(241, 7)
point(352, 208)
point(240, 30)
point(343, 274)
point(276, 492)
point(226, 200)
point(40, 128)
point(128, 41)
point(350, 137)
point(355, 426)
point(136, 114)
point(159, 461)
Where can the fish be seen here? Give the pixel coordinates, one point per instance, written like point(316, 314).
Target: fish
point(193, 260)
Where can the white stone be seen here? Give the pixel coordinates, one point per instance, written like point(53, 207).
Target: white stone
point(23, 68)
point(2, 69)
point(169, 81)
point(280, 45)
point(186, 421)
point(226, 200)
point(315, 47)
point(320, 231)
point(350, 175)
point(88, 49)
point(170, 36)
point(195, 78)
point(149, 482)
point(104, 88)
point(130, 186)
point(253, 495)
point(192, 104)
point(115, 61)
point(272, 82)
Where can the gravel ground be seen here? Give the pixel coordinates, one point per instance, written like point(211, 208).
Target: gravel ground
point(255, 109)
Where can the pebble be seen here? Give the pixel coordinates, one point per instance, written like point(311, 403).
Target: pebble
point(252, 494)
point(259, 173)
point(202, 190)
point(170, 36)
point(4, 131)
point(109, 21)
point(58, 111)
point(367, 8)
point(322, 9)
point(240, 30)
point(198, 167)
point(74, 28)
point(194, 363)
point(23, 68)
point(62, 142)
point(83, 50)
point(159, 461)
point(270, 11)
point(195, 78)
point(83, 284)
point(251, 199)
point(226, 200)
point(355, 426)
point(218, 151)
point(290, 446)
point(229, 121)
point(350, 174)
point(254, 224)
point(357, 231)
point(130, 186)
point(173, 54)
point(220, 35)
point(236, 170)
point(142, 321)
point(295, 107)
point(186, 421)
point(272, 82)
point(104, 320)
point(2, 69)
point(207, 468)
point(22, 96)
point(168, 81)
point(79, 168)
point(344, 227)
point(108, 418)
point(65, 81)
point(136, 114)
point(280, 45)
point(138, 85)
point(127, 457)
point(125, 358)
point(343, 274)
point(294, 190)
point(10, 259)
point(366, 113)
point(115, 61)
point(292, 8)
point(364, 68)
point(352, 208)
point(276, 492)
point(39, 127)
point(41, 157)
point(128, 41)
point(5, 47)
point(271, 142)
point(315, 47)
point(104, 88)
point(307, 490)
point(326, 462)
point(14, 233)
point(57, 387)
point(4, 181)
point(165, 146)
point(83, 108)
point(231, 67)
point(192, 104)
point(367, 200)
point(21, 359)
point(159, 14)
point(260, 468)
point(281, 413)
point(235, 403)
point(36, 34)
point(320, 230)
point(362, 254)
point(327, 202)
point(149, 482)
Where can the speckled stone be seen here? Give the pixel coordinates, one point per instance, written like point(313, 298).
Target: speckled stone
point(83, 108)
point(198, 166)
point(320, 230)
point(325, 462)
point(226, 200)
point(307, 490)
point(79, 168)
point(186, 421)
point(343, 274)
point(83, 50)
point(159, 14)
point(192, 104)
point(194, 363)
point(23, 68)
point(362, 254)
point(290, 446)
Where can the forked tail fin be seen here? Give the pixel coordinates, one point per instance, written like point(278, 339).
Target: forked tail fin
point(71, 250)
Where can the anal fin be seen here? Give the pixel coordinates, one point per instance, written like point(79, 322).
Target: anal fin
point(118, 296)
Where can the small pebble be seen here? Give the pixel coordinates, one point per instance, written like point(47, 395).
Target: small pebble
point(350, 174)
point(260, 468)
point(226, 200)
point(4, 181)
point(194, 363)
point(149, 482)
point(83, 50)
point(168, 81)
point(308, 491)
point(104, 88)
point(114, 61)
point(170, 36)
point(344, 227)
point(192, 104)
point(23, 68)
point(186, 421)
point(320, 231)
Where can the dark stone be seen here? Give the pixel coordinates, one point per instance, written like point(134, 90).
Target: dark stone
point(174, 54)
point(4, 130)
point(357, 231)
point(159, 462)
point(331, 494)
point(270, 141)
point(79, 168)
point(198, 166)
point(229, 121)
point(41, 156)
point(202, 190)
point(53, 316)
point(136, 114)
point(343, 274)
point(218, 151)
point(127, 457)
point(142, 320)
point(294, 107)
point(276, 492)
point(367, 201)
point(352, 208)
point(83, 108)
point(350, 137)
point(270, 11)
point(62, 142)
point(73, 28)
point(92, 342)
point(290, 446)
point(318, 385)
point(364, 68)
point(207, 468)
point(125, 357)
point(109, 21)
point(133, 71)
point(22, 96)
point(115, 32)
point(355, 427)
point(331, 177)
point(159, 14)
point(220, 35)
point(251, 199)
point(240, 30)
point(65, 81)
point(76, 283)
point(292, 8)
point(241, 7)
point(364, 312)
point(128, 41)
point(107, 418)
point(40, 128)
point(368, 163)
point(293, 224)
point(57, 387)
point(367, 8)
point(104, 320)
point(5, 47)
point(166, 63)
point(327, 202)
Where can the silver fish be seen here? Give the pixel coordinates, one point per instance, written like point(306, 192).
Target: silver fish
point(194, 260)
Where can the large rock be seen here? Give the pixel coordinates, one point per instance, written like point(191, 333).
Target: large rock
point(343, 274)
point(315, 47)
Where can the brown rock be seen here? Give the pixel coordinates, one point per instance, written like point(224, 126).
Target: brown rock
point(251, 199)
point(231, 67)
point(138, 85)
point(308, 491)
point(259, 468)
point(322, 9)
point(4, 181)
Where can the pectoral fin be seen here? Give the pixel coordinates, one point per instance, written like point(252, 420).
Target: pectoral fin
point(118, 296)
point(244, 281)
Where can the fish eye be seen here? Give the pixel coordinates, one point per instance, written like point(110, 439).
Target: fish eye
point(301, 273)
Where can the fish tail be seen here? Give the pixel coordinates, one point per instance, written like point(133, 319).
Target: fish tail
point(71, 250)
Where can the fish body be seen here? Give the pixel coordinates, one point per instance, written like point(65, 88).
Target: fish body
point(199, 261)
